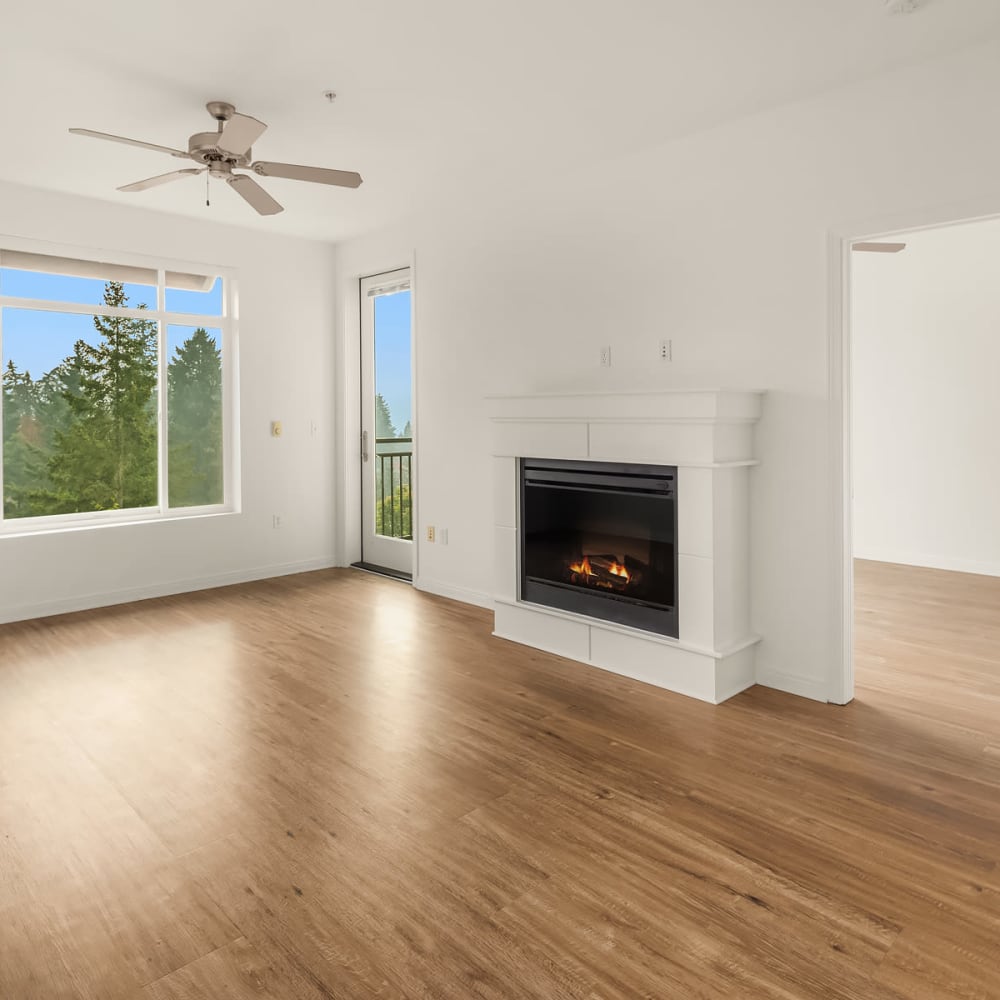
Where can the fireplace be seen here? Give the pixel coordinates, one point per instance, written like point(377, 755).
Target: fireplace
point(599, 539)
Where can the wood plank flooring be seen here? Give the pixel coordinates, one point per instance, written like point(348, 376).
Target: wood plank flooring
point(332, 786)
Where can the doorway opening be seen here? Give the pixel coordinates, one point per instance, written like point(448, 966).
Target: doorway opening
point(923, 535)
point(388, 442)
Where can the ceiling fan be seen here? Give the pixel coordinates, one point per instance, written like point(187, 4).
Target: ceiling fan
point(225, 150)
point(878, 247)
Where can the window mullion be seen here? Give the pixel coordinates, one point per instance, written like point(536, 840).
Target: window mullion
point(163, 471)
point(230, 461)
point(3, 502)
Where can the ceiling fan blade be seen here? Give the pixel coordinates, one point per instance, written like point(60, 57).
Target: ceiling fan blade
point(150, 182)
point(254, 195)
point(318, 175)
point(878, 247)
point(239, 133)
point(129, 142)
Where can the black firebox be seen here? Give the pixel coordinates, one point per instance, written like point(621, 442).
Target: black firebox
point(600, 539)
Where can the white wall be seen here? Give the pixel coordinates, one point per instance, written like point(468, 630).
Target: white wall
point(926, 355)
point(286, 327)
point(720, 241)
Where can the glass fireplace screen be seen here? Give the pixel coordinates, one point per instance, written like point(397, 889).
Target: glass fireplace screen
point(599, 539)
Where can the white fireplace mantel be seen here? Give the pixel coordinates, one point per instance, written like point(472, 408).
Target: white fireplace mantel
point(708, 435)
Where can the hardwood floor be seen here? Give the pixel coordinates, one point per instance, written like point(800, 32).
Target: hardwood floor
point(332, 786)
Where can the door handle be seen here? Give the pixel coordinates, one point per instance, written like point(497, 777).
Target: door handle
point(364, 446)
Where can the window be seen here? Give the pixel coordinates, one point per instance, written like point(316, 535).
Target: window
point(116, 393)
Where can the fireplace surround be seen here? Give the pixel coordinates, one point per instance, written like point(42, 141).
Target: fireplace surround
point(706, 436)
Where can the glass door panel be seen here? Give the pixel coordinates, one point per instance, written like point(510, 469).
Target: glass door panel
point(387, 421)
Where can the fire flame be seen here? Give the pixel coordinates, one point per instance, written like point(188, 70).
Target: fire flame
point(583, 568)
point(617, 569)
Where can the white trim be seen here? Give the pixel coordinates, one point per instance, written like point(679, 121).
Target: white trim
point(162, 395)
point(99, 309)
point(464, 594)
point(804, 687)
point(2, 494)
point(725, 692)
point(392, 553)
point(232, 482)
point(400, 286)
point(86, 602)
point(55, 524)
point(12, 241)
point(706, 421)
point(414, 425)
point(840, 687)
point(587, 393)
point(840, 683)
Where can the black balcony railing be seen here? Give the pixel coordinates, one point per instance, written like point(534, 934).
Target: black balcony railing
point(393, 487)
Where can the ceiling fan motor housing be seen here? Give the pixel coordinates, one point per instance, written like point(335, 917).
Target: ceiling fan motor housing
point(203, 148)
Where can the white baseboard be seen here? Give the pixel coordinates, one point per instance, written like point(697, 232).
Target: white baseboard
point(805, 687)
point(928, 561)
point(86, 602)
point(725, 693)
point(463, 594)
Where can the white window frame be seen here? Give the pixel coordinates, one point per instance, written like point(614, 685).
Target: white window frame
point(227, 324)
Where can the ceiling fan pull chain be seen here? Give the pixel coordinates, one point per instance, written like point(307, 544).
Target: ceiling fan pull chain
point(207, 202)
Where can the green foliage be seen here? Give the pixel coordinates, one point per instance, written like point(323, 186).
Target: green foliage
point(394, 513)
point(24, 460)
point(194, 423)
point(84, 436)
point(393, 506)
point(106, 458)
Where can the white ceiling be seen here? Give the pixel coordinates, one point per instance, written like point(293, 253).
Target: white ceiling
point(437, 99)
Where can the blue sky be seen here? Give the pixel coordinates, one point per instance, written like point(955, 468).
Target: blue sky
point(393, 355)
point(38, 341)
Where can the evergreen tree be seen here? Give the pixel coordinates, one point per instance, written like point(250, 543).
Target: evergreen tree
point(408, 430)
point(24, 473)
point(194, 422)
point(19, 398)
point(106, 458)
point(383, 419)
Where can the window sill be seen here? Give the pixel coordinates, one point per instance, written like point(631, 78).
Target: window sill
point(83, 522)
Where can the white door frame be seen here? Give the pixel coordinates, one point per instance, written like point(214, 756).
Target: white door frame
point(385, 548)
point(841, 684)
